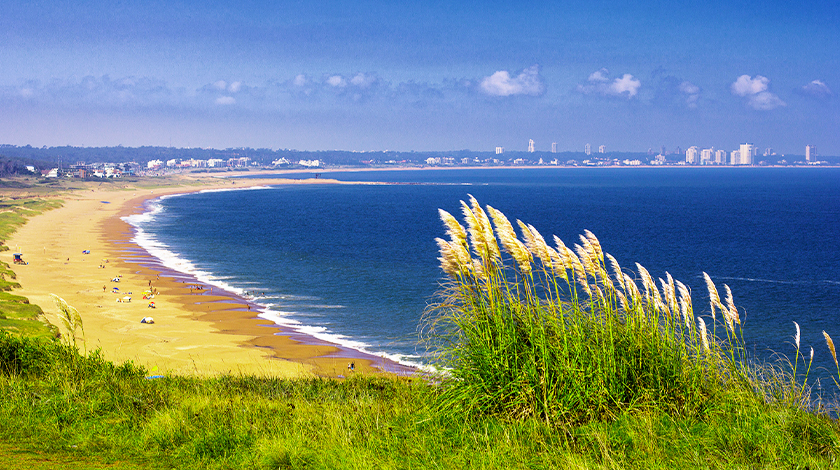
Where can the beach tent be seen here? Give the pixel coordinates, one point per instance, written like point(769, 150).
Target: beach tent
point(127, 298)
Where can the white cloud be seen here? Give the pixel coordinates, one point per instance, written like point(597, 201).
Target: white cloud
point(225, 100)
point(625, 84)
point(299, 80)
point(337, 81)
point(363, 81)
point(765, 101)
point(528, 82)
point(746, 85)
point(599, 84)
point(755, 90)
point(234, 87)
point(689, 88)
point(220, 85)
point(599, 76)
point(817, 89)
point(690, 92)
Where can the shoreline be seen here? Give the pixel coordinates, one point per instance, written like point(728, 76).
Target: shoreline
point(196, 332)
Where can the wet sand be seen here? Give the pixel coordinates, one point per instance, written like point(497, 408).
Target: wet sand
point(203, 331)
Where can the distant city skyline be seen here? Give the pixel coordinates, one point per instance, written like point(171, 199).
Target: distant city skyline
point(374, 75)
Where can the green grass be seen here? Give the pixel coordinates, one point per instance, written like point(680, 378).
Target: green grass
point(65, 405)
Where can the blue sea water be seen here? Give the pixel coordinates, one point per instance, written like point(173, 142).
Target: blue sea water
point(357, 264)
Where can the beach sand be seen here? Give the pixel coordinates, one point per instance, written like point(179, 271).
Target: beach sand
point(195, 332)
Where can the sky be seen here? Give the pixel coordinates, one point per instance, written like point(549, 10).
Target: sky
point(434, 75)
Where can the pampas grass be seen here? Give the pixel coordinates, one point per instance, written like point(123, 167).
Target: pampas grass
point(555, 333)
point(71, 320)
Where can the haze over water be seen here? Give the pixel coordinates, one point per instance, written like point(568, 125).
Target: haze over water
point(357, 264)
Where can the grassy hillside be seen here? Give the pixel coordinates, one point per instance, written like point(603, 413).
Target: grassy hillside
point(56, 401)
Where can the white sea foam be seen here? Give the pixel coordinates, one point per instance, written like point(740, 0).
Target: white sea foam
point(324, 334)
point(176, 262)
point(221, 190)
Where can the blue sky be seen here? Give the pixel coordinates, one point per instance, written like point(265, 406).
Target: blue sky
point(377, 75)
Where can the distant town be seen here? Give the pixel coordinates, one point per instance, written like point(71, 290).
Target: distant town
point(117, 162)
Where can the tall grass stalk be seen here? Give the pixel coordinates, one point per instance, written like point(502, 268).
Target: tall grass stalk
point(566, 334)
point(71, 321)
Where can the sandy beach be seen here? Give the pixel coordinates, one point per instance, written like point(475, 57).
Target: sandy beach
point(197, 329)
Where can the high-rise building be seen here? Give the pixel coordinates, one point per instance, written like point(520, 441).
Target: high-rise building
point(500, 150)
point(720, 157)
point(554, 147)
point(706, 156)
point(735, 157)
point(691, 156)
point(587, 149)
point(746, 154)
point(810, 153)
point(602, 149)
point(531, 145)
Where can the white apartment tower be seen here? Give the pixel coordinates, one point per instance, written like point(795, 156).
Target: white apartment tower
point(554, 147)
point(691, 156)
point(706, 156)
point(587, 149)
point(500, 150)
point(735, 157)
point(746, 153)
point(810, 153)
point(602, 149)
point(720, 157)
point(531, 145)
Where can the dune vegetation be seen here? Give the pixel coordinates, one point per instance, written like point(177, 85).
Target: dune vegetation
point(546, 356)
point(16, 313)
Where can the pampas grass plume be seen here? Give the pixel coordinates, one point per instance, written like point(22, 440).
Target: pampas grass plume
point(830, 345)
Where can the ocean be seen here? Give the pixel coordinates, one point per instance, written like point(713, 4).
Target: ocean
point(357, 264)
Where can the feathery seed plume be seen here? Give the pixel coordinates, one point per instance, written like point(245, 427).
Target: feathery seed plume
point(447, 259)
point(685, 302)
point(632, 289)
point(579, 271)
point(622, 301)
point(454, 229)
point(481, 234)
point(615, 266)
point(599, 253)
point(796, 337)
point(487, 229)
point(732, 316)
point(668, 294)
point(703, 334)
point(830, 345)
point(540, 248)
point(512, 245)
point(561, 250)
point(647, 280)
point(714, 298)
